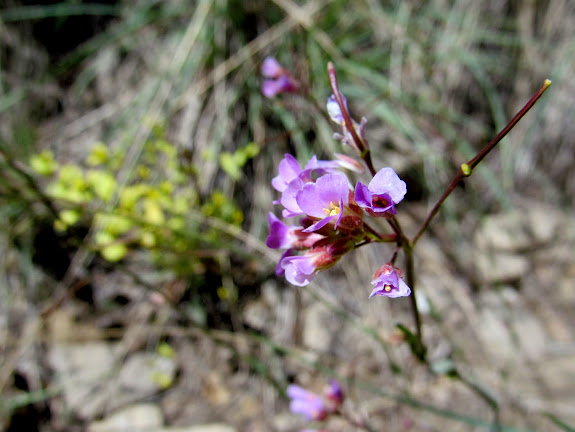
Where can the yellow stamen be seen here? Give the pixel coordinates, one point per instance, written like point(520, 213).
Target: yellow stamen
point(333, 210)
point(387, 288)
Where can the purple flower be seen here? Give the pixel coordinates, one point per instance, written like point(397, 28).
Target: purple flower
point(323, 166)
point(306, 403)
point(324, 200)
point(298, 270)
point(278, 80)
point(289, 170)
point(291, 180)
point(279, 268)
point(283, 236)
point(384, 191)
point(387, 281)
point(301, 269)
point(271, 68)
point(334, 394)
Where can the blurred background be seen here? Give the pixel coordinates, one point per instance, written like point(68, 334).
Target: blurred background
point(136, 154)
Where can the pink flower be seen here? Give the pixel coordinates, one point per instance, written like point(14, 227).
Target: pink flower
point(384, 191)
point(300, 270)
point(313, 406)
point(278, 80)
point(306, 403)
point(283, 236)
point(325, 199)
point(387, 281)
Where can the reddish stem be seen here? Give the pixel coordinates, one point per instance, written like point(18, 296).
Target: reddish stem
point(361, 145)
point(465, 170)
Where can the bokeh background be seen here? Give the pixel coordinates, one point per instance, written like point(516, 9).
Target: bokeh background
point(136, 290)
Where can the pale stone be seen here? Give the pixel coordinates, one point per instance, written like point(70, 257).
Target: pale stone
point(256, 315)
point(316, 332)
point(495, 337)
point(212, 427)
point(543, 223)
point(501, 267)
point(145, 417)
point(531, 335)
point(143, 374)
point(503, 232)
point(80, 371)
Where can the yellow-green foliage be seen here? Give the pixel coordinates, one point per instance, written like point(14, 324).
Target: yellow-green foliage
point(157, 210)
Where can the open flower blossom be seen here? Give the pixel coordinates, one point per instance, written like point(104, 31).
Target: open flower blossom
point(325, 199)
point(278, 80)
point(313, 406)
point(292, 178)
point(388, 282)
point(384, 191)
point(332, 214)
point(283, 236)
point(300, 270)
point(306, 403)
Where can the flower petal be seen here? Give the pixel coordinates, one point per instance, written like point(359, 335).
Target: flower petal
point(271, 68)
point(387, 181)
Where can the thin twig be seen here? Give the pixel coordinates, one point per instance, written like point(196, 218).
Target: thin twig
point(465, 170)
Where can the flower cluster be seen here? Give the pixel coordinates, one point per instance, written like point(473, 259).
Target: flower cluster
point(331, 211)
point(331, 214)
point(313, 406)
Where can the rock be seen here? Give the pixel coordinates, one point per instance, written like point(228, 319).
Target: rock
point(555, 373)
point(543, 223)
point(131, 419)
point(213, 427)
point(215, 390)
point(143, 374)
point(316, 332)
point(566, 291)
point(530, 333)
point(503, 232)
point(500, 267)
point(495, 337)
point(80, 369)
point(256, 315)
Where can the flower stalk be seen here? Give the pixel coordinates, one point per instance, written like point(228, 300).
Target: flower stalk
point(336, 214)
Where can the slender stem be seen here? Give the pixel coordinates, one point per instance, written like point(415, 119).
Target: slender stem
point(349, 124)
point(465, 170)
point(383, 238)
point(419, 348)
point(458, 177)
point(473, 162)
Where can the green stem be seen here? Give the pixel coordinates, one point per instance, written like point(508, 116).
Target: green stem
point(419, 348)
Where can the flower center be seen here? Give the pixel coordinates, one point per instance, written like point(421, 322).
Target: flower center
point(379, 201)
point(387, 288)
point(332, 210)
